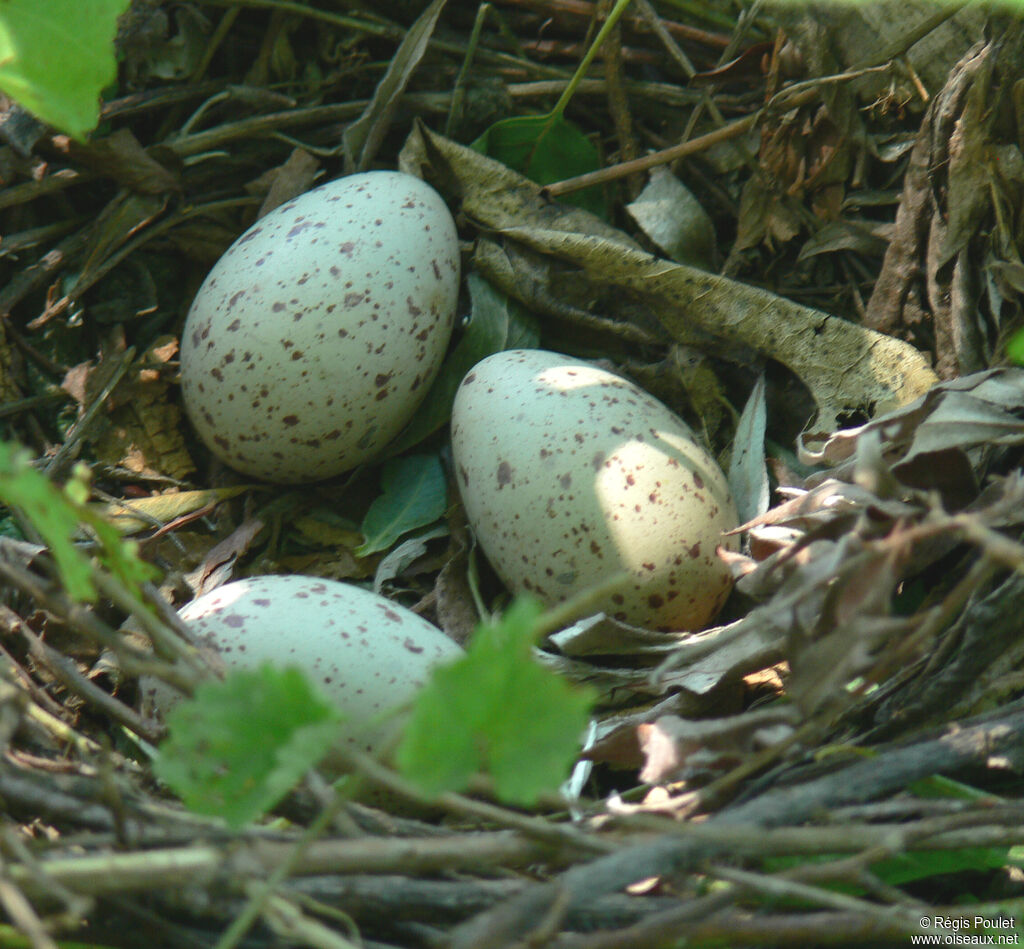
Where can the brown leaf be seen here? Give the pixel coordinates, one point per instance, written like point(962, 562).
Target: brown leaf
point(957, 192)
point(847, 368)
point(285, 182)
point(144, 432)
point(219, 562)
point(617, 741)
point(456, 612)
point(821, 670)
point(121, 157)
point(674, 747)
point(985, 408)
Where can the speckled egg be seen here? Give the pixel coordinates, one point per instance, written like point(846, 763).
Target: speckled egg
point(315, 337)
point(571, 475)
point(367, 654)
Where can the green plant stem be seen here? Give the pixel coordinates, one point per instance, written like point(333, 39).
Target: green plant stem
point(459, 92)
point(578, 605)
point(10, 938)
point(581, 71)
point(386, 30)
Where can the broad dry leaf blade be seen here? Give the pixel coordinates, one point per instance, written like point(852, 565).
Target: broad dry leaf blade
point(847, 368)
point(984, 408)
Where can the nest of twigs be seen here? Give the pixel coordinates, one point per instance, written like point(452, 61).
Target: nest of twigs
point(839, 760)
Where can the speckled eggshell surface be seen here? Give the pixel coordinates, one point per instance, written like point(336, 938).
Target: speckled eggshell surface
point(366, 653)
point(571, 474)
point(315, 337)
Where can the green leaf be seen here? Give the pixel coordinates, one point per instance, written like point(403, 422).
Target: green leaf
point(546, 148)
point(57, 55)
point(497, 709)
point(57, 516)
point(921, 864)
point(1015, 348)
point(496, 322)
point(748, 473)
point(50, 513)
point(414, 494)
point(239, 745)
point(12, 938)
point(939, 786)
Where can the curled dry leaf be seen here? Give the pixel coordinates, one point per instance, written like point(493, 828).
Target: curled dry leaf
point(847, 368)
point(855, 542)
point(985, 408)
point(675, 748)
point(961, 188)
point(288, 180)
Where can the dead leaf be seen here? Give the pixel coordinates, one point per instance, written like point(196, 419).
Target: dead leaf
point(403, 555)
point(675, 749)
point(455, 610)
point(8, 388)
point(725, 654)
point(674, 220)
point(120, 156)
point(985, 408)
point(601, 635)
point(144, 432)
point(847, 368)
point(961, 188)
point(748, 473)
point(285, 182)
point(616, 742)
point(220, 559)
point(836, 36)
point(162, 509)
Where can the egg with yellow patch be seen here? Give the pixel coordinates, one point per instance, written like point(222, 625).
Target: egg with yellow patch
point(572, 475)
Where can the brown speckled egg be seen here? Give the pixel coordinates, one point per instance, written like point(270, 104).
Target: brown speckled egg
point(317, 334)
point(571, 475)
point(364, 652)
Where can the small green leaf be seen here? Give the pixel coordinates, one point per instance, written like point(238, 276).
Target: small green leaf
point(546, 148)
point(922, 864)
point(50, 513)
point(1015, 348)
point(414, 494)
point(119, 555)
point(239, 745)
point(57, 516)
point(56, 56)
point(497, 709)
point(496, 322)
point(938, 785)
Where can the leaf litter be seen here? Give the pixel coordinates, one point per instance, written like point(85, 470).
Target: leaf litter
point(874, 638)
